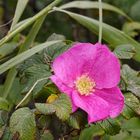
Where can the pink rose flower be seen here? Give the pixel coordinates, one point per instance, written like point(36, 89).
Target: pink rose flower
point(89, 75)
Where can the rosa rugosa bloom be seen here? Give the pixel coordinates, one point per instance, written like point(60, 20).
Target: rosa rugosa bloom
point(89, 75)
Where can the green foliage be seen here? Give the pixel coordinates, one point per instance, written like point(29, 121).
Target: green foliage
point(111, 126)
point(92, 131)
point(110, 34)
point(4, 105)
point(61, 106)
point(131, 79)
point(125, 51)
point(22, 122)
point(135, 11)
point(21, 57)
point(133, 126)
point(48, 115)
point(77, 120)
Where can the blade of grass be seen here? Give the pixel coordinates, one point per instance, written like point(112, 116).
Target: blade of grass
point(93, 4)
point(21, 4)
point(29, 40)
point(25, 55)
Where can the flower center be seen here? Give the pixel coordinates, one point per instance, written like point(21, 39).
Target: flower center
point(85, 85)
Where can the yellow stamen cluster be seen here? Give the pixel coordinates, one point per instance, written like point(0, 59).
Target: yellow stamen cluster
point(85, 85)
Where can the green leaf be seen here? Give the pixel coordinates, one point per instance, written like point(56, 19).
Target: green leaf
point(122, 136)
point(110, 34)
point(52, 52)
point(133, 126)
point(131, 79)
point(110, 126)
point(134, 11)
point(92, 131)
point(47, 135)
point(35, 73)
point(125, 51)
point(131, 28)
point(25, 55)
point(19, 10)
point(91, 5)
point(61, 106)
point(133, 102)
point(22, 121)
point(4, 105)
point(7, 48)
point(77, 120)
point(132, 106)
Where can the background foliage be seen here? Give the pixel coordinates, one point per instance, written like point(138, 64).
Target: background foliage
point(31, 106)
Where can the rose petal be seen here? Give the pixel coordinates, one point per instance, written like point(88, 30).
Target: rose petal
point(74, 62)
point(115, 100)
point(96, 107)
point(106, 68)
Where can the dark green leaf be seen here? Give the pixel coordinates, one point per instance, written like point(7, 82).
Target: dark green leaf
point(110, 126)
point(61, 106)
point(35, 73)
point(77, 120)
point(22, 121)
point(92, 131)
point(125, 51)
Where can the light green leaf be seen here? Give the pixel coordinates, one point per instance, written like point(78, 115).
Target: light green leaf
point(132, 106)
point(47, 135)
point(61, 106)
point(123, 135)
point(92, 131)
point(131, 28)
point(110, 34)
point(134, 11)
point(131, 79)
point(23, 122)
point(25, 55)
point(91, 5)
point(132, 124)
point(4, 105)
point(7, 49)
point(125, 51)
point(19, 10)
